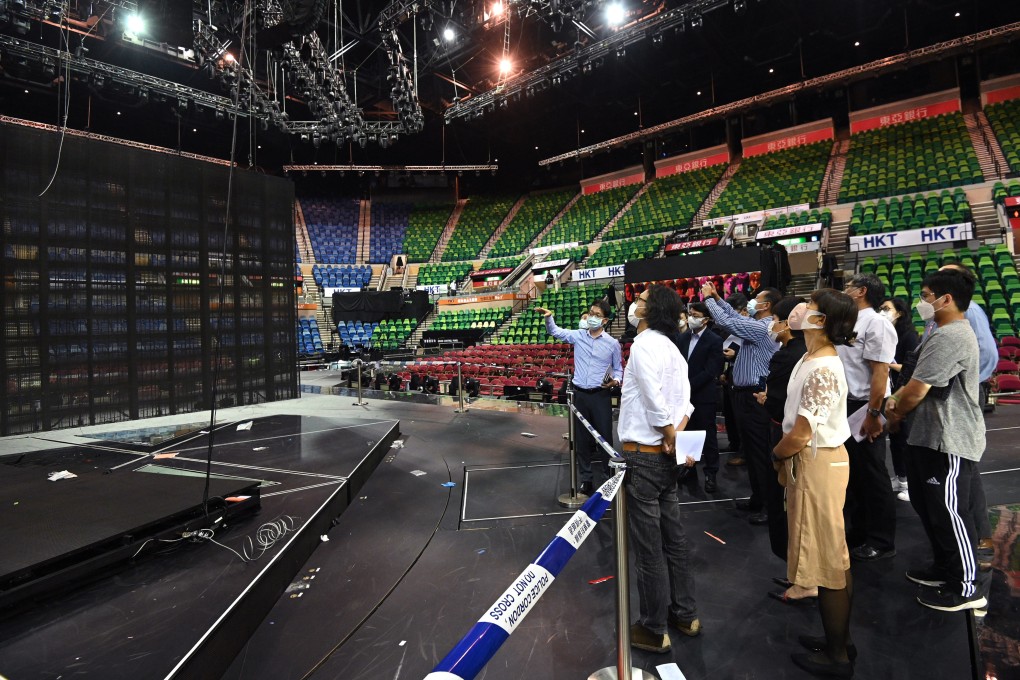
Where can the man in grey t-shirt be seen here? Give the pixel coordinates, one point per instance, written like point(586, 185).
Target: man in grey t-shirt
point(947, 438)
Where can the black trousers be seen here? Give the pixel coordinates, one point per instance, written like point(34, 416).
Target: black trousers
point(703, 418)
point(754, 427)
point(597, 409)
point(870, 502)
point(732, 431)
point(779, 531)
point(898, 449)
point(942, 492)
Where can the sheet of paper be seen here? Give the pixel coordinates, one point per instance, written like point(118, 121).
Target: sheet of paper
point(244, 426)
point(733, 340)
point(670, 671)
point(689, 444)
point(856, 420)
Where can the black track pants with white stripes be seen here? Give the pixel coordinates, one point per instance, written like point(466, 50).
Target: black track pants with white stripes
point(941, 492)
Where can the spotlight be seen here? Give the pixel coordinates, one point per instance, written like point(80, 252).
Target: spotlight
point(135, 24)
point(497, 9)
point(615, 14)
point(857, 43)
point(657, 39)
point(739, 6)
point(697, 21)
point(448, 34)
point(621, 53)
point(505, 65)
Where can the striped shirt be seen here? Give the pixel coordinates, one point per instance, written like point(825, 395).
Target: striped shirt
point(593, 357)
point(752, 366)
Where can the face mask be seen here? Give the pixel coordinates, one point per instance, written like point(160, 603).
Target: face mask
point(594, 323)
point(582, 324)
point(773, 333)
point(798, 318)
point(696, 323)
point(889, 315)
point(926, 310)
point(683, 325)
point(752, 307)
point(632, 316)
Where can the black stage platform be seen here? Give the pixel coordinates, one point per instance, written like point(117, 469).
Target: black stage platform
point(60, 532)
point(183, 610)
point(414, 562)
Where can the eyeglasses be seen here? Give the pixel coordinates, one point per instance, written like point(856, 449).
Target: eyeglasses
point(928, 296)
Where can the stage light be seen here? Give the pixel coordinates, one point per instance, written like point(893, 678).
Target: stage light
point(857, 43)
point(135, 24)
point(697, 21)
point(497, 9)
point(957, 15)
point(505, 65)
point(448, 34)
point(615, 14)
point(698, 93)
point(740, 6)
point(229, 58)
point(771, 70)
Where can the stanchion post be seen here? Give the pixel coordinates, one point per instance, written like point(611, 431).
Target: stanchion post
point(360, 402)
point(623, 670)
point(460, 390)
point(573, 499)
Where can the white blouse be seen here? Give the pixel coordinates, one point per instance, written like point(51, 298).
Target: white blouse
point(818, 391)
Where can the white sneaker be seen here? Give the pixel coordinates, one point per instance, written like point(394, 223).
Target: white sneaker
point(904, 495)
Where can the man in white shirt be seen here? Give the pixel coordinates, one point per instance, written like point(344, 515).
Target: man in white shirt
point(871, 504)
point(655, 404)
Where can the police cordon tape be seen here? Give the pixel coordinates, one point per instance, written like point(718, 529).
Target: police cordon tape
point(482, 642)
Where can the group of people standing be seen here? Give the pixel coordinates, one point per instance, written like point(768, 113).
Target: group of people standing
point(819, 384)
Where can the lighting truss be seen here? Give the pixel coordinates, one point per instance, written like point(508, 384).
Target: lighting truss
point(581, 59)
point(86, 68)
point(391, 168)
point(873, 68)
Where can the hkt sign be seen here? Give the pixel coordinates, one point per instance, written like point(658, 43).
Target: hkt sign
point(613, 272)
point(913, 237)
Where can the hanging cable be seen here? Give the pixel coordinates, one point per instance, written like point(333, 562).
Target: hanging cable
point(241, 60)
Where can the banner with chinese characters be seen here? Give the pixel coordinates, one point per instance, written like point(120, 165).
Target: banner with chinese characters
point(697, 244)
point(907, 115)
point(613, 180)
point(1000, 89)
point(787, 139)
point(696, 160)
point(913, 237)
point(786, 232)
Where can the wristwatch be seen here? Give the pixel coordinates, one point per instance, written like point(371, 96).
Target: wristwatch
point(874, 412)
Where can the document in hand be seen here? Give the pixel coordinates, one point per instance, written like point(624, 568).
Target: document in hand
point(856, 420)
point(689, 444)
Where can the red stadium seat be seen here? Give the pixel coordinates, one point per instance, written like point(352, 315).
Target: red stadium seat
point(1006, 367)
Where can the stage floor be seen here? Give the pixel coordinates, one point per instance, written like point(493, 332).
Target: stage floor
point(146, 618)
point(450, 516)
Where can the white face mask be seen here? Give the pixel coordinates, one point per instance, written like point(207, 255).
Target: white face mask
point(632, 316)
point(683, 325)
point(696, 323)
point(752, 307)
point(773, 333)
point(926, 310)
point(594, 323)
point(889, 315)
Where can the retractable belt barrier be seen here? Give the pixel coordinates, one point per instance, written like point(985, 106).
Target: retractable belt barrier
point(482, 642)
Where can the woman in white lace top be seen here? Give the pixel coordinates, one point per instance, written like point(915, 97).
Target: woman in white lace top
point(814, 467)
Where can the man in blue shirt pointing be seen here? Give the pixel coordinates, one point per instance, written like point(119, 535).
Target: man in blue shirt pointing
point(597, 369)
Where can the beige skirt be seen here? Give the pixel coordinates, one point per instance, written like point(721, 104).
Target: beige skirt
point(817, 554)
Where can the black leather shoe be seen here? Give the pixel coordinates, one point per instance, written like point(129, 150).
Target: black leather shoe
point(759, 518)
point(866, 553)
point(818, 644)
point(586, 489)
point(825, 669)
point(746, 506)
point(710, 485)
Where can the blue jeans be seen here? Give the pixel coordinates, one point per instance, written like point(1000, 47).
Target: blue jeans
point(664, 576)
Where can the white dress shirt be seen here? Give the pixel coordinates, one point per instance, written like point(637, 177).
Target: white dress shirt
point(695, 336)
point(656, 390)
point(875, 341)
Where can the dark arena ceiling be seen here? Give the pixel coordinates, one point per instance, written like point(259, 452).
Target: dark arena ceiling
point(433, 82)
